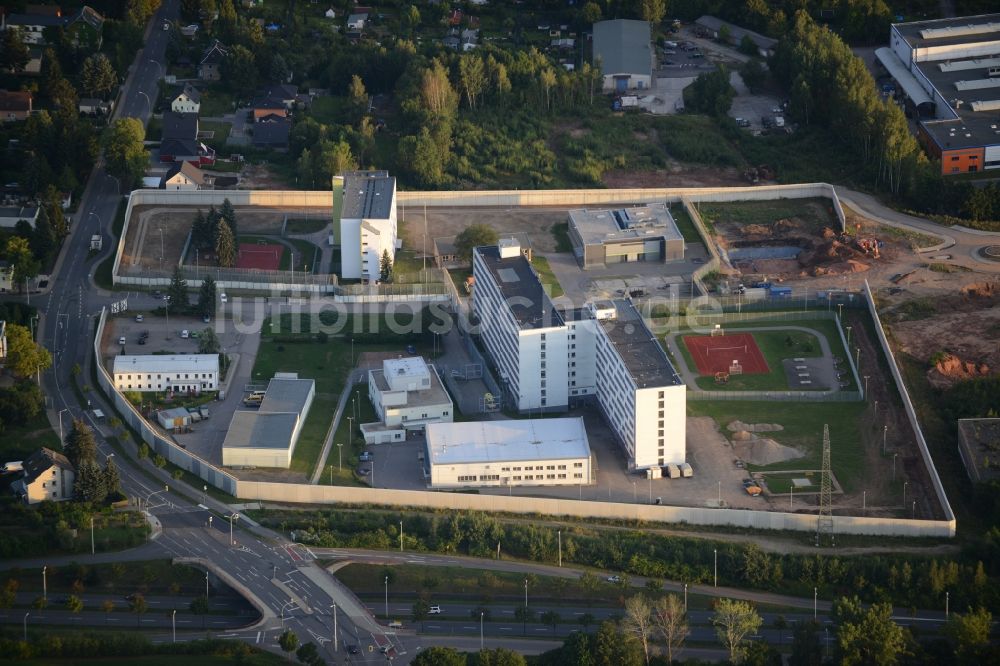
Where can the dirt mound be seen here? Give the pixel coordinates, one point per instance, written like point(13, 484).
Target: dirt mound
point(756, 230)
point(981, 290)
point(828, 233)
point(786, 225)
point(737, 426)
point(742, 436)
point(765, 451)
point(950, 369)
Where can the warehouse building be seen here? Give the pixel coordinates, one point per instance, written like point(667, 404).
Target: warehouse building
point(539, 452)
point(266, 436)
point(624, 55)
point(186, 373)
point(603, 237)
point(548, 359)
point(948, 71)
point(407, 394)
point(364, 210)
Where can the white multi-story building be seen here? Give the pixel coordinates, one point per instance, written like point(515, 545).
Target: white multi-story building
point(548, 359)
point(47, 476)
point(167, 372)
point(407, 394)
point(537, 452)
point(523, 332)
point(364, 203)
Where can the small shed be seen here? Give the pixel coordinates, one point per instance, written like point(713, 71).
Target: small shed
point(171, 419)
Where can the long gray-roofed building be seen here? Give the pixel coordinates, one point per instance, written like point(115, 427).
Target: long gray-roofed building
point(266, 437)
point(623, 49)
point(948, 72)
point(647, 233)
point(364, 205)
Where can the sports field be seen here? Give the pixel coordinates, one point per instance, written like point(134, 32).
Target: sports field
point(263, 256)
point(719, 353)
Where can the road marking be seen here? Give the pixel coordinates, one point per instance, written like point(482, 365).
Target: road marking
point(258, 638)
point(506, 629)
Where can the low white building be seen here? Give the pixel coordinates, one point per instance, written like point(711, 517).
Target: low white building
point(193, 373)
point(407, 394)
point(623, 53)
point(188, 101)
point(47, 475)
point(174, 418)
point(266, 436)
point(536, 452)
point(364, 210)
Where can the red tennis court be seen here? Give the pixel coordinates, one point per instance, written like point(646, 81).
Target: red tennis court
point(714, 354)
point(265, 257)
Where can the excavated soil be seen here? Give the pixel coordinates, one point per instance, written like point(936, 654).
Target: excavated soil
point(765, 451)
point(737, 426)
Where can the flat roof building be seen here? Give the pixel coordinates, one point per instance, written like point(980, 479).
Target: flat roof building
point(364, 204)
point(192, 373)
point(623, 50)
point(647, 233)
point(716, 28)
point(407, 394)
point(266, 436)
point(537, 452)
point(949, 74)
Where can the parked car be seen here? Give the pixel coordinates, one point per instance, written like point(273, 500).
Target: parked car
point(138, 317)
point(752, 488)
point(185, 334)
point(435, 610)
point(614, 579)
point(121, 340)
point(206, 319)
point(366, 456)
point(223, 298)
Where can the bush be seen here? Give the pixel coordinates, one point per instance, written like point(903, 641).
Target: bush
point(159, 460)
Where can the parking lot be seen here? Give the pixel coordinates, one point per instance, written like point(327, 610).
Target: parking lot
point(753, 108)
point(164, 336)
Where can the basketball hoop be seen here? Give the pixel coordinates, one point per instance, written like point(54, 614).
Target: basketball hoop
point(718, 331)
point(735, 368)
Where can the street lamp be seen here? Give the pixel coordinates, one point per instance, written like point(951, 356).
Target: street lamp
point(91, 535)
point(334, 627)
point(100, 224)
point(149, 104)
point(904, 493)
point(481, 631)
point(815, 597)
point(894, 466)
point(848, 329)
point(386, 597)
point(685, 597)
point(159, 67)
point(233, 517)
point(885, 434)
point(204, 493)
point(715, 578)
point(401, 536)
point(525, 593)
point(206, 588)
point(62, 438)
point(173, 623)
point(633, 492)
point(559, 536)
point(26, 626)
point(340, 458)
point(45, 586)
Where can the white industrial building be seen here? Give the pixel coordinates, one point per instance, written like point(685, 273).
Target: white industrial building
point(266, 436)
point(537, 452)
point(167, 372)
point(603, 237)
point(624, 54)
point(547, 359)
point(407, 394)
point(364, 203)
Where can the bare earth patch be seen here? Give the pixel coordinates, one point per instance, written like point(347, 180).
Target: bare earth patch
point(765, 451)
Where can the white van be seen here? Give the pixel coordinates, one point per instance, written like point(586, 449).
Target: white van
point(223, 298)
point(185, 334)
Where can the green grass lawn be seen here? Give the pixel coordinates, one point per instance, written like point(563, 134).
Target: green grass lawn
point(152, 577)
point(685, 225)
point(780, 483)
point(310, 443)
point(353, 443)
point(459, 276)
point(220, 132)
point(20, 441)
point(103, 274)
point(215, 102)
point(560, 232)
point(816, 211)
point(306, 225)
point(803, 429)
point(546, 276)
point(408, 263)
point(309, 254)
point(286, 255)
point(329, 110)
point(225, 166)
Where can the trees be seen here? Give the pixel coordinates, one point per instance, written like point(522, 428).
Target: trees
point(753, 74)
point(670, 620)
point(867, 635)
point(177, 293)
point(137, 604)
point(203, 230)
point(421, 609)
point(970, 633)
point(25, 358)
point(239, 68)
point(652, 10)
point(20, 256)
point(612, 647)
point(225, 244)
point(710, 93)
point(439, 656)
point(14, 54)
point(88, 485)
point(308, 653)
point(97, 75)
point(112, 479)
point(74, 604)
point(43, 240)
point(80, 445)
point(206, 297)
point(472, 77)
point(124, 154)
point(288, 641)
point(108, 606)
point(550, 618)
point(208, 342)
point(358, 97)
point(473, 236)
point(199, 606)
point(385, 268)
point(498, 657)
point(591, 13)
point(733, 621)
point(638, 621)
point(8, 595)
point(437, 95)
point(228, 214)
point(548, 80)
point(523, 614)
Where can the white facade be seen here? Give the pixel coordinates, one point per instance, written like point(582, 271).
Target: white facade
point(188, 101)
point(46, 476)
point(167, 372)
point(538, 452)
point(365, 203)
point(266, 436)
point(546, 361)
point(407, 394)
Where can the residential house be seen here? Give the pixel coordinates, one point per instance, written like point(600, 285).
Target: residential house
point(622, 47)
point(11, 215)
point(179, 140)
point(185, 176)
point(272, 134)
point(279, 93)
point(188, 101)
point(83, 27)
point(330, 14)
point(14, 105)
point(92, 106)
point(470, 39)
point(356, 22)
point(47, 476)
point(189, 30)
point(6, 280)
point(32, 26)
point(210, 65)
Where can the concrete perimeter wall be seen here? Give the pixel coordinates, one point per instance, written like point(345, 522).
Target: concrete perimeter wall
point(159, 444)
point(911, 413)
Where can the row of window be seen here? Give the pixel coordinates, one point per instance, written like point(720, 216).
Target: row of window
point(203, 375)
point(541, 477)
point(159, 387)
